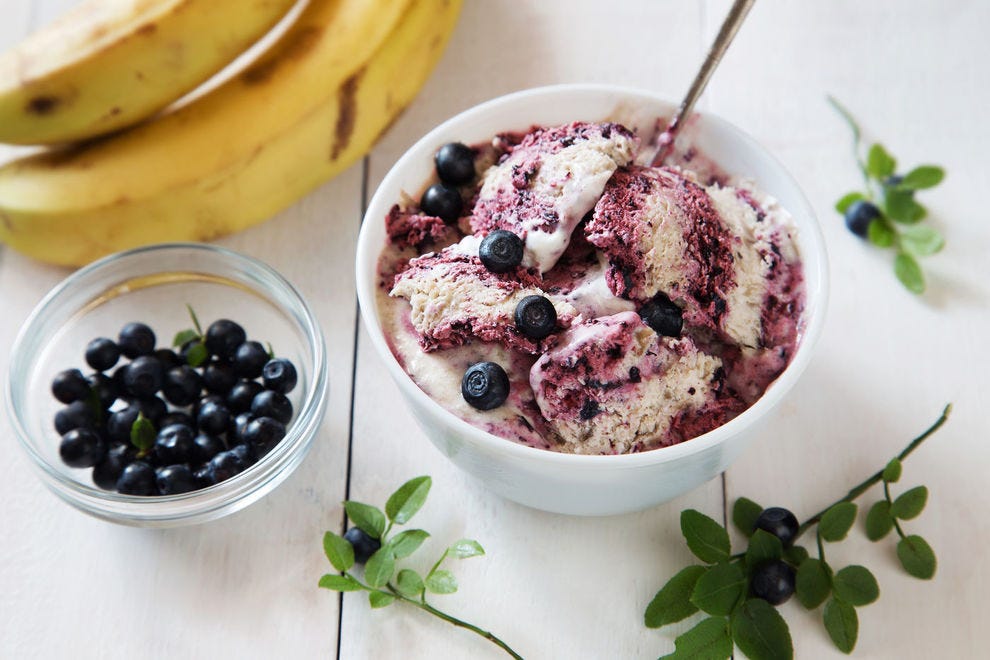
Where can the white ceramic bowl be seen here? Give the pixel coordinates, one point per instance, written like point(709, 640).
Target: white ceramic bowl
point(577, 484)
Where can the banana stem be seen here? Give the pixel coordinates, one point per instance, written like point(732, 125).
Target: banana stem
point(878, 476)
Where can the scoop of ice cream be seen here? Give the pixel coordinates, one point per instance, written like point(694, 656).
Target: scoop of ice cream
point(709, 249)
point(612, 385)
point(546, 184)
point(455, 298)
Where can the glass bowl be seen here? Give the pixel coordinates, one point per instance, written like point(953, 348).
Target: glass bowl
point(153, 285)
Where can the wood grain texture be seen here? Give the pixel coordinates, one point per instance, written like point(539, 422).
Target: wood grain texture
point(553, 586)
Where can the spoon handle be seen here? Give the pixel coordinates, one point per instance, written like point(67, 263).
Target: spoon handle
point(731, 24)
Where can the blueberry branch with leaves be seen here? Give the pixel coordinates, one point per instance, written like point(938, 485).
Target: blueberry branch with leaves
point(369, 542)
point(739, 591)
point(886, 212)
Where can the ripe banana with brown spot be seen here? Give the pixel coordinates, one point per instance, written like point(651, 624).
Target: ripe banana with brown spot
point(312, 105)
point(108, 64)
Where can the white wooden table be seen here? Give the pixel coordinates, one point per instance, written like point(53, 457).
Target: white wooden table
point(558, 587)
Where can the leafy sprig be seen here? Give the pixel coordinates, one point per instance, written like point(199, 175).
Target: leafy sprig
point(386, 585)
point(721, 588)
point(897, 213)
point(196, 352)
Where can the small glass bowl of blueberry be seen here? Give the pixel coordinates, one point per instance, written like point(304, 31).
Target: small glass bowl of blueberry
point(168, 385)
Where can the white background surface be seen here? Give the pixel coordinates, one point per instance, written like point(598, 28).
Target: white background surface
point(556, 587)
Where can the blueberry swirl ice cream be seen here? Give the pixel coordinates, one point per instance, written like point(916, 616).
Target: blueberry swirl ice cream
point(554, 290)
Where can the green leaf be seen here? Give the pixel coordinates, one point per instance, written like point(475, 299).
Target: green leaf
point(879, 522)
point(761, 633)
point(706, 538)
point(744, 515)
point(709, 640)
point(673, 602)
point(855, 585)
point(921, 240)
point(379, 599)
point(909, 272)
point(719, 589)
point(837, 521)
point(910, 504)
point(900, 206)
point(880, 233)
point(879, 163)
point(184, 336)
point(197, 354)
point(339, 551)
point(842, 624)
point(405, 543)
point(339, 583)
point(813, 583)
point(892, 472)
point(195, 320)
point(367, 518)
point(917, 557)
point(441, 582)
point(405, 502)
point(848, 200)
point(796, 555)
point(762, 546)
point(465, 548)
point(271, 351)
point(409, 583)
point(143, 433)
point(923, 176)
point(379, 568)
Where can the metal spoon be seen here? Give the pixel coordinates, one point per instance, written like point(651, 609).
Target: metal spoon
point(734, 19)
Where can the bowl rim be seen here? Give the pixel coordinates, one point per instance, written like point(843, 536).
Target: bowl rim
point(366, 278)
point(276, 464)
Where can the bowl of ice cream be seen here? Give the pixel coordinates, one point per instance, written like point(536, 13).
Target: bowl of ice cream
point(579, 329)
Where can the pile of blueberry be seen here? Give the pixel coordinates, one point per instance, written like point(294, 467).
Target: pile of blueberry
point(172, 421)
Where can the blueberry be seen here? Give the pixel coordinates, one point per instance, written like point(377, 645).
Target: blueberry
point(136, 339)
point(82, 448)
point(237, 427)
point(70, 385)
point(663, 315)
point(119, 424)
point(501, 251)
point(182, 385)
point(442, 201)
point(263, 434)
point(175, 479)
point(108, 471)
point(223, 466)
point(272, 404)
point(205, 447)
point(144, 377)
point(177, 417)
point(249, 358)
point(209, 398)
point(243, 393)
point(153, 408)
point(246, 453)
point(118, 377)
point(485, 385)
point(780, 522)
point(138, 478)
point(455, 163)
point(102, 353)
point(213, 418)
point(223, 337)
point(859, 215)
point(106, 390)
point(279, 375)
point(773, 581)
point(535, 317)
point(77, 415)
point(219, 378)
point(169, 358)
point(175, 444)
point(203, 476)
point(364, 546)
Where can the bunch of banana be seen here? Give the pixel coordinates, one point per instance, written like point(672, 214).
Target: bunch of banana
point(314, 102)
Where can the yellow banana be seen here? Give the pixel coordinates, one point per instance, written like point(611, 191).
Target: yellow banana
point(308, 108)
point(111, 63)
